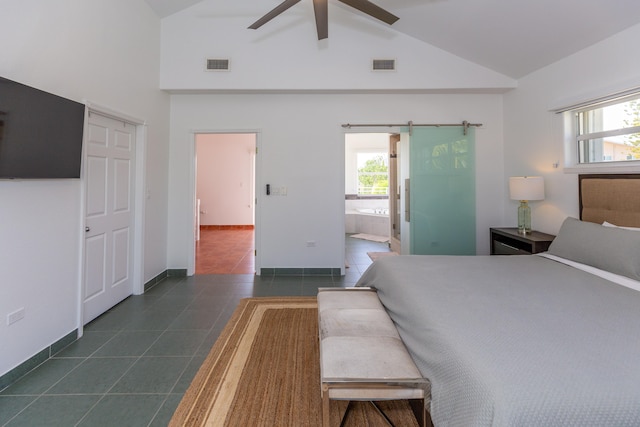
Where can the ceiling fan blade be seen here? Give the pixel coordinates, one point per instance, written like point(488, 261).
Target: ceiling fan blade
point(372, 10)
point(321, 9)
point(286, 4)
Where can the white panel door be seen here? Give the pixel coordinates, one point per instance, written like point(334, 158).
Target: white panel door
point(109, 217)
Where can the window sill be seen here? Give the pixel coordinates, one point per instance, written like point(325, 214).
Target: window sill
point(609, 167)
point(363, 197)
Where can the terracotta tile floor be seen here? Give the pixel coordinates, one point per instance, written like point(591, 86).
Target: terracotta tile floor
point(225, 252)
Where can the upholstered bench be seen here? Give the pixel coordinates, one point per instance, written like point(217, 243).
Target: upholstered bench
point(362, 357)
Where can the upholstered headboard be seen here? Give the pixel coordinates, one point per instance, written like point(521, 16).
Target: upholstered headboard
point(611, 198)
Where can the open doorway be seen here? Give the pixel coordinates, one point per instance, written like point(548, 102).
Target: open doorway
point(225, 203)
point(368, 227)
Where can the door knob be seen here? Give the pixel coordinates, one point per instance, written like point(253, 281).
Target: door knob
point(87, 229)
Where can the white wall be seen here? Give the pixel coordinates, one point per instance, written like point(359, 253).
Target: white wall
point(106, 52)
point(285, 54)
point(225, 178)
point(533, 134)
point(302, 148)
point(321, 85)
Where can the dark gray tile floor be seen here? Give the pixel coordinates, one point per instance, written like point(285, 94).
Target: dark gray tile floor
point(134, 363)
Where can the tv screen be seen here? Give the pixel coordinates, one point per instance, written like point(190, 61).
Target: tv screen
point(40, 133)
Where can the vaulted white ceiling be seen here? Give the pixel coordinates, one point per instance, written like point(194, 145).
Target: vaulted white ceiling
point(512, 37)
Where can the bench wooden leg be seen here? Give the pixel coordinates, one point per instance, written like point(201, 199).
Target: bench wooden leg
point(326, 422)
point(420, 412)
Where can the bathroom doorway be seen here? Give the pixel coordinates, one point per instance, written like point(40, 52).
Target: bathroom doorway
point(367, 190)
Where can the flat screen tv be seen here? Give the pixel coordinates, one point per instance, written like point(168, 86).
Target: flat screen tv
point(40, 133)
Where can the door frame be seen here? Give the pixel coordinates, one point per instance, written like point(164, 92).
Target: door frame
point(137, 253)
point(395, 198)
point(191, 239)
point(345, 131)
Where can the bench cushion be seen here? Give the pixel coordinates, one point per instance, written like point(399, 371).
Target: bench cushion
point(358, 340)
point(358, 322)
point(329, 298)
point(362, 356)
point(356, 358)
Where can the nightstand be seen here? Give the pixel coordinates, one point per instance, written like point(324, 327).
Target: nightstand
point(507, 241)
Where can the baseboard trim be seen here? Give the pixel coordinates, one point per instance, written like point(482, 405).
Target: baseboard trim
point(172, 272)
point(159, 278)
point(36, 360)
point(333, 272)
point(227, 227)
point(45, 354)
point(177, 272)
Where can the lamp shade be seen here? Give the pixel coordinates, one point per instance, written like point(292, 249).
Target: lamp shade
point(526, 188)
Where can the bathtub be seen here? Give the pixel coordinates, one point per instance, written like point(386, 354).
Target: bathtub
point(368, 221)
point(373, 211)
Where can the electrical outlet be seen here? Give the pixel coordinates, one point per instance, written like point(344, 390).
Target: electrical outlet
point(15, 316)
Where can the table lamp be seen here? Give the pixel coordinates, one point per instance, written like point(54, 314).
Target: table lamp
point(525, 188)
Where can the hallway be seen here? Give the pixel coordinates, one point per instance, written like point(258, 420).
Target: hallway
point(225, 251)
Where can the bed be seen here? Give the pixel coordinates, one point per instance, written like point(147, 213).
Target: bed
point(535, 340)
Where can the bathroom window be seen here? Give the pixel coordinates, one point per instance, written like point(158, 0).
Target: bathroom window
point(373, 174)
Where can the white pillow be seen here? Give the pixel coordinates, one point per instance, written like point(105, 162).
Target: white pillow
point(608, 224)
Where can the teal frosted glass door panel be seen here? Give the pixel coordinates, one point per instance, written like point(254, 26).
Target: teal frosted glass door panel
point(442, 191)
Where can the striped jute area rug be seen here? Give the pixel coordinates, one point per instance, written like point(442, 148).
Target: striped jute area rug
point(264, 370)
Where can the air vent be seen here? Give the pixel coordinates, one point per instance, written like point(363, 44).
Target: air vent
point(384, 65)
point(217, 64)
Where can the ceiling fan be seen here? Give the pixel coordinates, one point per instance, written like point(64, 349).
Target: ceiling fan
point(321, 11)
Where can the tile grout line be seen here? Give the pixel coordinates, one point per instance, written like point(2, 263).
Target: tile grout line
point(105, 393)
point(217, 287)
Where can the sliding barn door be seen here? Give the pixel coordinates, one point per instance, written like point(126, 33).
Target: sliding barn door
point(442, 191)
point(109, 217)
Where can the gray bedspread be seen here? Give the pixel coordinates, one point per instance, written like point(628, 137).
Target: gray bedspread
point(516, 340)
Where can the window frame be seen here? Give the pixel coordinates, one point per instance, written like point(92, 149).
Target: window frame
point(572, 136)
